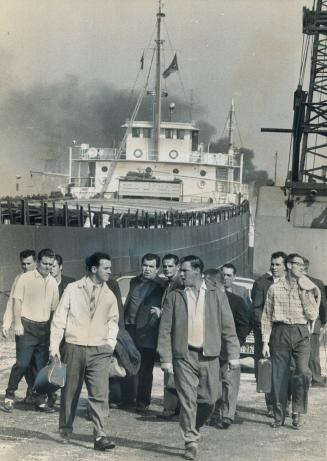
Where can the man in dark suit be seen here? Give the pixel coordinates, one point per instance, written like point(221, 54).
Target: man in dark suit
point(225, 407)
point(319, 327)
point(258, 294)
point(142, 312)
point(172, 281)
point(228, 274)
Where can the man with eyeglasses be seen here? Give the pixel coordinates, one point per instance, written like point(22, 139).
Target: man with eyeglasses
point(288, 310)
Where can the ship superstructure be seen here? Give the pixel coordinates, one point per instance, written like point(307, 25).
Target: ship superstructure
point(160, 159)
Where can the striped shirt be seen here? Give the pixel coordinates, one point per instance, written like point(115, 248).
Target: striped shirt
point(284, 304)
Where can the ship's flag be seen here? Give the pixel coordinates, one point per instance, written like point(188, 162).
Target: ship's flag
point(173, 67)
point(142, 61)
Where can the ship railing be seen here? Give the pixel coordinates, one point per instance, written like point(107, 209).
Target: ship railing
point(96, 154)
point(45, 212)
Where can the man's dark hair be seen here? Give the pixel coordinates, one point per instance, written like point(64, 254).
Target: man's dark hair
point(27, 253)
point(171, 256)
point(230, 266)
point(195, 262)
point(212, 274)
point(94, 259)
point(45, 253)
point(279, 254)
point(59, 260)
point(151, 257)
point(291, 256)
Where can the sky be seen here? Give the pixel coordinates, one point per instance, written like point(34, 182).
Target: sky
point(248, 50)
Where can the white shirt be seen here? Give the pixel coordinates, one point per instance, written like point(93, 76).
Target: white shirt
point(195, 309)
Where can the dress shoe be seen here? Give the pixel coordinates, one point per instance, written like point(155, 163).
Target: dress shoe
point(44, 408)
point(65, 436)
point(8, 405)
point(276, 424)
point(270, 413)
point(191, 450)
point(141, 407)
point(225, 423)
point(103, 444)
point(114, 406)
point(297, 420)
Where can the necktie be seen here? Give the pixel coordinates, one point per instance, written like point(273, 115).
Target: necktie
point(92, 301)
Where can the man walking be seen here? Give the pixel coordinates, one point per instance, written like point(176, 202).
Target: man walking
point(170, 269)
point(56, 272)
point(195, 321)
point(225, 407)
point(35, 297)
point(88, 316)
point(284, 323)
point(228, 272)
point(258, 294)
point(142, 314)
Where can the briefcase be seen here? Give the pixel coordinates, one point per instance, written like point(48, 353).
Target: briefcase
point(50, 378)
point(264, 375)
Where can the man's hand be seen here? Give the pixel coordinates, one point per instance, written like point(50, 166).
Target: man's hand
point(265, 350)
point(5, 332)
point(155, 312)
point(167, 367)
point(234, 364)
point(18, 329)
point(323, 329)
point(53, 353)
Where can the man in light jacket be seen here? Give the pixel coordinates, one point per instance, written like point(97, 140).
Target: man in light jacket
point(88, 316)
point(194, 323)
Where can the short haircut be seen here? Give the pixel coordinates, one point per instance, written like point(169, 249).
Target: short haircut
point(230, 266)
point(94, 259)
point(291, 256)
point(45, 253)
point(151, 257)
point(306, 261)
point(171, 256)
point(279, 254)
point(213, 275)
point(195, 262)
point(27, 253)
point(59, 260)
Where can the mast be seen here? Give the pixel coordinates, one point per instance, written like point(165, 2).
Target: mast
point(157, 100)
point(230, 127)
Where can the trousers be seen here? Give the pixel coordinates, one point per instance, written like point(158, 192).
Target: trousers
point(32, 346)
point(289, 342)
point(197, 386)
point(225, 406)
point(314, 361)
point(89, 364)
point(257, 356)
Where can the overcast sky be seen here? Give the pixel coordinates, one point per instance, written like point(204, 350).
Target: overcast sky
point(246, 49)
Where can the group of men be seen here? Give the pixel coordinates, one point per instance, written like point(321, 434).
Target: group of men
point(194, 320)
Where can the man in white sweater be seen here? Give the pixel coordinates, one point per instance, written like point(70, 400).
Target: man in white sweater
point(88, 317)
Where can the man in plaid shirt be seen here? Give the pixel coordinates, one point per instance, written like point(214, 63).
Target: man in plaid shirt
point(284, 325)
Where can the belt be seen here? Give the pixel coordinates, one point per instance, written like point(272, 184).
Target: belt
point(195, 349)
point(35, 323)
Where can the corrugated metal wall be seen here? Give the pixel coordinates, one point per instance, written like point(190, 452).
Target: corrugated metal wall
point(215, 243)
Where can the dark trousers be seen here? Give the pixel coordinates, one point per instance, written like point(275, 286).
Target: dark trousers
point(33, 344)
point(314, 361)
point(197, 386)
point(89, 364)
point(115, 390)
point(257, 356)
point(287, 342)
point(139, 387)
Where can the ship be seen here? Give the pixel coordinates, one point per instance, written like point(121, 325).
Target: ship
point(159, 159)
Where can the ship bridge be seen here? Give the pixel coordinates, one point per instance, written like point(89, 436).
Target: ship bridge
point(178, 141)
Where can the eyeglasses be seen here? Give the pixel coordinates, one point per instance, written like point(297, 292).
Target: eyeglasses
point(297, 263)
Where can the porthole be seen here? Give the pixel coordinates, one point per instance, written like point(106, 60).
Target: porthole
point(175, 170)
point(173, 154)
point(148, 170)
point(203, 172)
point(104, 169)
point(137, 153)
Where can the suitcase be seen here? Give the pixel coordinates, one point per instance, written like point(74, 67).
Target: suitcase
point(264, 375)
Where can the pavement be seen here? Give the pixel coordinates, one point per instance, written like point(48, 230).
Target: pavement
point(31, 436)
